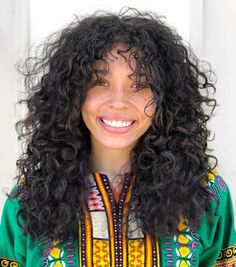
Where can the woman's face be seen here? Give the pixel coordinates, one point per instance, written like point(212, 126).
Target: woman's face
point(114, 108)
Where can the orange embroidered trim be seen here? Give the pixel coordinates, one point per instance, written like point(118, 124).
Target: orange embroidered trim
point(89, 239)
point(148, 251)
point(158, 253)
point(108, 208)
point(227, 262)
point(124, 224)
point(227, 257)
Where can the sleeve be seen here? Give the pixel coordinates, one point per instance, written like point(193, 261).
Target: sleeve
point(12, 240)
point(218, 239)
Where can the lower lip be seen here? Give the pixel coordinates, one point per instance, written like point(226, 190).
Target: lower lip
point(116, 130)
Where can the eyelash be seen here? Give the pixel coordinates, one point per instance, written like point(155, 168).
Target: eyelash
point(137, 86)
point(100, 82)
point(141, 86)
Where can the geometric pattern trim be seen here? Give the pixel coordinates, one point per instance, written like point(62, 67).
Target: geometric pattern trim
point(227, 257)
point(103, 232)
point(5, 262)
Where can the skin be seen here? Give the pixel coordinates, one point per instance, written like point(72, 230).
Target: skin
point(114, 96)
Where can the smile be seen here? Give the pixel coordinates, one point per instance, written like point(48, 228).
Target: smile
point(117, 124)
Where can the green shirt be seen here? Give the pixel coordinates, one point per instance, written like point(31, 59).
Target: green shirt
point(103, 239)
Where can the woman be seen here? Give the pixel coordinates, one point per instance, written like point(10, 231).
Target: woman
point(116, 170)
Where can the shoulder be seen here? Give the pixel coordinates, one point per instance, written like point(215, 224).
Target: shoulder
point(217, 232)
point(12, 206)
point(216, 182)
point(16, 248)
point(13, 199)
point(219, 192)
point(9, 214)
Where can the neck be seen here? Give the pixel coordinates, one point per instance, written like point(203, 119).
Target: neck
point(112, 162)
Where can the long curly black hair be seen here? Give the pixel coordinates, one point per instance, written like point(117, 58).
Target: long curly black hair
point(170, 160)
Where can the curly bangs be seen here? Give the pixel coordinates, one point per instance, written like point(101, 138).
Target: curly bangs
point(170, 161)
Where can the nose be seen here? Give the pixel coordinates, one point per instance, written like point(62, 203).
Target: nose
point(119, 98)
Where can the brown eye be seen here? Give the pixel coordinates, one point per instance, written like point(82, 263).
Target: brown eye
point(101, 82)
point(140, 86)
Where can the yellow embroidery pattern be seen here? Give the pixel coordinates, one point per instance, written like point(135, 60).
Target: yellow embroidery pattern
point(212, 175)
point(185, 245)
point(117, 248)
point(101, 256)
point(56, 256)
point(4, 262)
point(227, 257)
point(136, 253)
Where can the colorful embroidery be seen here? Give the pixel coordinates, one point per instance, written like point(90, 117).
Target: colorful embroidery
point(227, 257)
point(214, 178)
point(54, 257)
point(99, 222)
point(54, 254)
point(136, 253)
point(87, 241)
point(181, 250)
point(105, 239)
point(101, 255)
point(212, 188)
point(186, 242)
point(104, 234)
point(95, 200)
point(5, 262)
point(168, 251)
point(149, 257)
point(70, 248)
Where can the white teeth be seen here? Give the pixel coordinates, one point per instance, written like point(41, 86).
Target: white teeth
point(117, 124)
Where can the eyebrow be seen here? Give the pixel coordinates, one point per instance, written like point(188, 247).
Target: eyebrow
point(140, 75)
point(105, 71)
point(131, 76)
point(101, 71)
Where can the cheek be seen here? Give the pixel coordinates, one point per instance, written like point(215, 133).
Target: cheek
point(86, 111)
point(90, 103)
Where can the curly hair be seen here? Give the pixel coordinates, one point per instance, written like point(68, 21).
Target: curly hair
point(170, 161)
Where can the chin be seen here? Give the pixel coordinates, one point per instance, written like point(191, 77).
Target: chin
point(118, 146)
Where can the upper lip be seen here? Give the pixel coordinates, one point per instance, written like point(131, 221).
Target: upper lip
point(116, 118)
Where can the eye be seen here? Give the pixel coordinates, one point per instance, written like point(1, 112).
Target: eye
point(99, 82)
point(140, 86)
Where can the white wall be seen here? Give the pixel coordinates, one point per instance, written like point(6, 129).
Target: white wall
point(64, 11)
point(218, 36)
point(13, 42)
point(208, 24)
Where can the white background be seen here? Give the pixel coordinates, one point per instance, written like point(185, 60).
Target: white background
point(209, 25)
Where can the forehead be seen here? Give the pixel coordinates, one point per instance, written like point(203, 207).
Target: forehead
point(120, 55)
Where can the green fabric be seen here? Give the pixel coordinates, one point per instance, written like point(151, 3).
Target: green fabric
point(221, 234)
point(205, 244)
point(14, 245)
